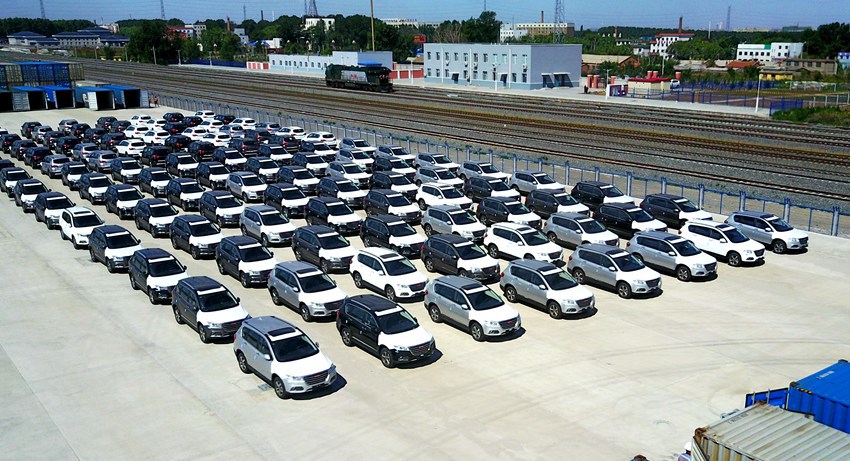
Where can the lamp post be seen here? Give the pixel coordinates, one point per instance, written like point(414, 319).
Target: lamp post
point(154, 55)
point(95, 53)
point(179, 60)
point(758, 93)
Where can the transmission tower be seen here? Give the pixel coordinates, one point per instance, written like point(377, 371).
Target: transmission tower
point(728, 17)
point(161, 9)
point(244, 13)
point(559, 31)
point(43, 15)
point(310, 9)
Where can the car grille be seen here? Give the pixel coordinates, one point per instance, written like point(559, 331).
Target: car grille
point(479, 234)
point(231, 327)
point(421, 349)
point(412, 216)
point(350, 226)
point(508, 324)
point(711, 267)
point(317, 378)
point(555, 255)
point(418, 286)
point(653, 283)
point(535, 224)
point(264, 275)
point(364, 183)
point(334, 305)
point(760, 253)
point(612, 242)
point(804, 241)
point(584, 303)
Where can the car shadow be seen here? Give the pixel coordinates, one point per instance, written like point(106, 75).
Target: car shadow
point(505, 338)
point(437, 355)
point(581, 315)
point(338, 384)
point(698, 280)
point(651, 295)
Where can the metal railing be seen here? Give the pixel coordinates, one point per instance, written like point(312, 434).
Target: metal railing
point(825, 221)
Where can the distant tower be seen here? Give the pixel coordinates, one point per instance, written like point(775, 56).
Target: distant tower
point(161, 9)
point(43, 15)
point(728, 24)
point(485, 5)
point(244, 13)
point(559, 31)
point(310, 9)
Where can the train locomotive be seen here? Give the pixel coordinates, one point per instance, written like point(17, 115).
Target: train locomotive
point(371, 78)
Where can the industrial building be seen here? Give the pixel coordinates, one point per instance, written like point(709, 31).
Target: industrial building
point(521, 66)
point(663, 41)
point(767, 53)
point(315, 63)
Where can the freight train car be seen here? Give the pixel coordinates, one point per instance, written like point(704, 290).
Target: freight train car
point(372, 78)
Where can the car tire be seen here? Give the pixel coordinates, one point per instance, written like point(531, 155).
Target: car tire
point(264, 240)
point(386, 357)
point(510, 293)
point(244, 280)
point(324, 266)
point(174, 243)
point(418, 183)
point(493, 250)
point(422, 205)
point(177, 317)
point(389, 293)
point(624, 290)
point(477, 332)
point(554, 309)
point(279, 388)
point(92, 257)
point(358, 279)
point(429, 231)
point(345, 335)
point(298, 256)
point(243, 363)
point(220, 266)
point(434, 313)
point(463, 273)
point(138, 223)
point(151, 296)
point(195, 252)
point(133, 284)
point(305, 313)
point(578, 274)
point(276, 299)
point(552, 237)
point(779, 246)
point(733, 258)
point(528, 257)
point(429, 265)
point(367, 241)
point(203, 334)
point(683, 273)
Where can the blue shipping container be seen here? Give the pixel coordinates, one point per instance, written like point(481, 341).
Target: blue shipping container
point(825, 395)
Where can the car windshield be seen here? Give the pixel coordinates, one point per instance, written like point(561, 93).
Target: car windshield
point(218, 169)
point(359, 155)
point(686, 248)
point(517, 208)
point(560, 280)
point(227, 201)
point(398, 200)
point(462, 217)
point(347, 186)
point(295, 348)
point(100, 181)
point(166, 267)
point(440, 159)
point(534, 238)
point(17, 175)
point(339, 209)
point(266, 163)
point(316, 283)
point(131, 165)
point(255, 253)
point(591, 226)
point(398, 164)
point(399, 180)
point(201, 228)
point(612, 191)
point(487, 168)
point(217, 301)
point(129, 194)
point(302, 174)
point(160, 176)
point(498, 185)
point(640, 215)
point(163, 209)
point(186, 160)
point(565, 199)
point(87, 220)
point(399, 266)
point(543, 178)
point(451, 192)
point(352, 168)
point(191, 187)
point(734, 235)
point(122, 240)
point(780, 225)
point(77, 169)
point(397, 322)
point(401, 229)
point(399, 151)
point(273, 219)
point(251, 181)
point(333, 242)
point(314, 159)
point(469, 251)
point(445, 174)
point(318, 147)
point(361, 143)
point(293, 194)
point(687, 205)
point(484, 300)
point(32, 189)
point(233, 155)
point(628, 263)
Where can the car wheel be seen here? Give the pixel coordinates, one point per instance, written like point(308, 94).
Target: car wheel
point(92, 257)
point(389, 293)
point(177, 317)
point(429, 265)
point(554, 309)
point(305, 313)
point(578, 274)
point(279, 388)
point(183, 205)
point(138, 223)
point(276, 299)
point(203, 334)
point(514, 187)
point(434, 313)
point(151, 296)
point(174, 243)
point(133, 284)
point(195, 252)
point(243, 363)
point(367, 242)
point(477, 332)
point(264, 240)
point(528, 256)
point(298, 256)
point(733, 258)
point(77, 246)
point(624, 290)
point(37, 218)
point(552, 237)
point(62, 234)
point(493, 250)
point(418, 183)
point(326, 268)
point(422, 205)
point(510, 293)
point(220, 266)
point(429, 231)
point(244, 280)
point(463, 273)
point(779, 247)
point(638, 256)
point(386, 357)
point(345, 335)
point(358, 279)
point(683, 273)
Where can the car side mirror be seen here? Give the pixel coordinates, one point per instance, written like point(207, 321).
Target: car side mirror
point(612, 269)
point(723, 241)
point(238, 300)
point(454, 256)
point(541, 286)
point(296, 289)
point(503, 213)
point(670, 253)
point(380, 272)
point(267, 357)
point(766, 229)
point(464, 307)
point(521, 244)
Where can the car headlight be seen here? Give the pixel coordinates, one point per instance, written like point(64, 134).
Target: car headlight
point(402, 348)
point(793, 240)
point(213, 325)
point(159, 288)
point(491, 323)
point(316, 305)
point(569, 302)
point(699, 267)
point(639, 282)
point(299, 379)
point(749, 252)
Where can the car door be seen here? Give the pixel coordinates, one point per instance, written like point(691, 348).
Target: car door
point(441, 223)
point(534, 292)
point(189, 307)
point(604, 273)
point(762, 235)
point(229, 257)
point(713, 242)
point(370, 270)
point(263, 349)
point(362, 321)
point(521, 283)
point(252, 224)
point(650, 250)
point(450, 307)
point(139, 272)
point(181, 236)
point(440, 256)
point(747, 226)
point(571, 232)
point(312, 246)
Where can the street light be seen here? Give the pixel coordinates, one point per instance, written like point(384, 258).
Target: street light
point(179, 61)
point(758, 93)
point(95, 53)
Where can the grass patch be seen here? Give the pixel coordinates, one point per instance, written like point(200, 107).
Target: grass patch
point(817, 115)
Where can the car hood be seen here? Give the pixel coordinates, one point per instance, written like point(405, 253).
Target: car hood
point(407, 240)
point(208, 239)
point(493, 175)
point(523, 218)
point(413, 337)
point(98, 190)
point(165, 281)
point(161, 219)
point(649, 225)
point(230, 210)
point(410, 279)
point(357, 176)
point(126, 203)
point(575, 293)
point(235, 161)
point(641, 274)
point(265, 171)
point(306, 182)
point(160, 183)
point(346, 252)
point(793, 234)
point(257, 188)
point(223, 316)
point(351, 195)
point(84, 230)
point(53, 213)
point(620, 199)
point(344, 219)
point(405, 171)
point(187, 166)
point(121, 252)
point(553, 186)
point(460, 201)
point(278, 228)
point(464, 228)
point(218, 177)
point(504, 193)
point(695, 215)
point(547, 248)
point(264, 265)
point(577, 208)
point(403, 209)
point(404, 187)
point(296, 202)
point(132, 172)
point(451, 182)
point(701, 258)
point(600, 237)
point(497, 314)
point(479, 263)
point(328, 296)
point(316, 363)
point(191, 195)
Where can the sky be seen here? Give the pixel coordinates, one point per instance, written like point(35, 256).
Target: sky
point(590, 14)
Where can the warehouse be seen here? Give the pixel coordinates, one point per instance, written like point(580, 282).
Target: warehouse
point(315, 63)
point(527, 67)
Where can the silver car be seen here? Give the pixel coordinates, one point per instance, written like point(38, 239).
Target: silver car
point(612, 267)
point(546, 285)
point(446, 219)
point(267, 225)
point(672, 253)
point(526, 181)
point(470, 305)
point(306, 289)
point(472, 168)
point(574, 229)
point(429, 174)
point(769, 230)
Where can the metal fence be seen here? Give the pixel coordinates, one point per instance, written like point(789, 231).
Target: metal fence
point(831, 222)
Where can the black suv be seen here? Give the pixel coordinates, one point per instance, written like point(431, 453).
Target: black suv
point(175, 129)
point(263, 167)
point(65, 145)
point(332, 212)
point(120, 125)
point(109, 141)
point(388, 180)
point(150, 268)
point(201, 150)
point(120, 167)
point(247, 147)
point(287, 199)
point(673, 210)
point(453, 254)
point(104, 122)
point(221, 207)
point(28, 127)
point(116, 240)
point(481, 187)
point(275, 152)
point(72, 169)
point(332, 186)
point(89, 181)
point(231, 158)
point(175, 160)
point(177, 142)
point(6, 141)
point(153, 180)
point(391, 232)
point(154, 215)
point(385, 201)
point(212, 175)
point(391, 165)
point(185, 227)
point(121, 199)
point(50, 201)
point(624, 219)
point(544, 202)
point(233, 251)
point(155, 155)
point(192, 121)
point(290, 143)
point(201, 302)
point(291, 173)
point(176, 189)
point(593, 193)
point(79, 129)
point(93, 135)
point(224, 118)
point(320, 148)
point(504, 209)
point(35, 155)
point(324, 247)
point(173, 117)
point(19, 148)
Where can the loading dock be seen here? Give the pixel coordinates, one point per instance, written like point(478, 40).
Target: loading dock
point(36, 98)
point(6, 101)
point(95, 98)
point(128, 97)
point(59, 97)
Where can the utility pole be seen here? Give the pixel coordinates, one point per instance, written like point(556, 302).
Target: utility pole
point(558, 31)
point(372, 12)
point(162, 9)
point(154, 55)
point(43, 15)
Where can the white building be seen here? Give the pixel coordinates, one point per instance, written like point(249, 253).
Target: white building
point(508, 32)
point(399, 22)
point(765, 54)
point(662, 41)
point(311, 22)
point(313, 63)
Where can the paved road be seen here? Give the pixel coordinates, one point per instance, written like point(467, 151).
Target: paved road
point(91, 370)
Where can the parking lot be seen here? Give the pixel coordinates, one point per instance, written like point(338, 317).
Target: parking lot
point(91, 370)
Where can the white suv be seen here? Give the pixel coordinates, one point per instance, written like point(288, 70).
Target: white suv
point(770, 230)
point(672, 253)
point(433, 194)
point(521, 241)
point(387, 272)
point(76, 224)
point(723, 240)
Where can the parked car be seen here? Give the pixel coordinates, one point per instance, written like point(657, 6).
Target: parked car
point(441, 194)
point(394, 165)
point(672, 253)
point(289, 200)
point(429, 174)
point(154, 215)
point(350, 171)
point(79, 129)
point(208, 307)
point(383, 328)
point(356, 156)
point(201, 150)
point(334, 213)
point(267, 225)
point(246, 123)
point(315, 163)
point(300, 286)
point(126, 170)
point(231, 158)
point(673, 210)
point(65, 145)
point(324, 247)
point(155, 272)
point(181, 165)
point(112, 141)
point(25, 192)
point(327, 151)
point(595, 193)
point(289, 143)
point(525, 181)
point(224, 118)
point(154, 155)
point(76, 224)
point(71, 173)
point(263, 167)
point(35, 155)
point(9, 177)
point(772, 231)
point(612, 267)
point(235, 131)
point(342, 189)
point(269, 127)
point(51, 166)
point(246, 185)
point(221, 207)
point(504, 209)
point(282, 356)
point(519, 241)
point(453, 254)
point(393, 181)
point(358, 144)
point(480, 187)
point(216, 139)
point(543, 284)
point(154, 181)
point(391, 232)
point(121, 199)
point(245, 259)
point(321, 137)
point(384, 201)
point(278, 153)
point(101, 161)
point(28, 127)
point(104, 122)
point(435, 160)
point(92, 187)
point(212, 175)
point(6, 141)
point(155, 137)
point(723, 240)
point(387, 151)
point(471, 306)
point(196, 235)
point(624, 219)
point(389, 273)
point(177, 142)
point(211, 125)
point(444, 219)
point(471, 169)
point(246, 146)
point(205, 114)
point(574, 229)
point(299, 177)
point(113, 246)
point(184, 192)
point(544, 202)
point(48, 207)
point(294, 131)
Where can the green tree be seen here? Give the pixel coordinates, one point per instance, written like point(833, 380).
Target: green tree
point(154, 35)
point(484, 29)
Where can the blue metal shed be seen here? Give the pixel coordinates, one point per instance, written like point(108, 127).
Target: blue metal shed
point(127, 97)
point(95, 98)
point(825, 395)
point(6, 102)
point(59, 97)
point(36, 98)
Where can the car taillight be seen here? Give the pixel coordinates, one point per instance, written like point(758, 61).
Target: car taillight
point(680, 231)
point(423, 247)
point(628, 244)
point(426, 292)
point(570, 258)
point(502, 275)
point(725, 221)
